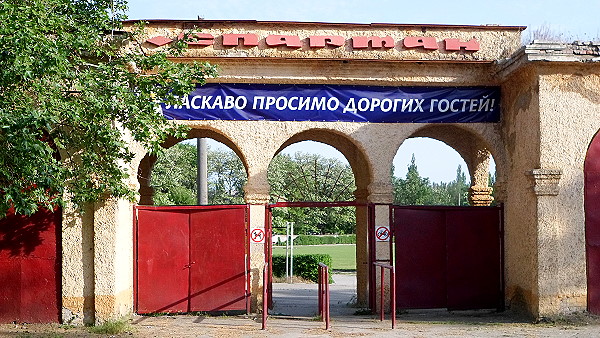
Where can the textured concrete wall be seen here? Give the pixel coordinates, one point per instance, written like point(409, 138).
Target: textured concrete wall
point(521, 133)
point(495, 42)
point(569, 110)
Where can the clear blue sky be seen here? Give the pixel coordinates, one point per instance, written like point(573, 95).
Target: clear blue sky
point(576, 19)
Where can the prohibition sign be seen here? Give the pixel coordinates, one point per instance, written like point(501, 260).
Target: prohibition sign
point(257, 235)
point(382, 234)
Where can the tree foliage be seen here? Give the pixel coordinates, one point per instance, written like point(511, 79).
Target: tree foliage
point(174, 177)
point(314, 178)
point(69, 87)
point(302, 177)
point(417, 190)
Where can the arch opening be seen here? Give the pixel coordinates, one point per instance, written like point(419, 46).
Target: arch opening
point(322, 166)
point(171, 178)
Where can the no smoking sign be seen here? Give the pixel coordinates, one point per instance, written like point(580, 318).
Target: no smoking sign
point(257, 235)
point(382, 234)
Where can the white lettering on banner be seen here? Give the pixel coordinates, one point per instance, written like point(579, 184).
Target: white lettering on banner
point(364, 104)
point(461, 105)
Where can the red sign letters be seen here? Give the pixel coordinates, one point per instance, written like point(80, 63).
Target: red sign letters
point(329, 41)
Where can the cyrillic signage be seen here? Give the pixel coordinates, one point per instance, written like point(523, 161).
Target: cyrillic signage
point(344, 103)
point(321, 41)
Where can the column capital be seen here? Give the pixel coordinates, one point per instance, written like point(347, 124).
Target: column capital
point(480, 196)
point(381, 192)
point(545, 181)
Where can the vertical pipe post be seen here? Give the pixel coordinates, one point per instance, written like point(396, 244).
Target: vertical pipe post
point(320, 291)
point(292, 252)
point(393, 294)
point(326, 281)
point(265, 307)
point(381, 309)
point(287, 251)
point(202, 171)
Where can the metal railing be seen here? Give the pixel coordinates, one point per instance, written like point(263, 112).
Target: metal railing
point(383, 267)
point(265, 304)
point(324, 294)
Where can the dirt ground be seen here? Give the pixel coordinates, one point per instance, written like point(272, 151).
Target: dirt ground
point(414, 324)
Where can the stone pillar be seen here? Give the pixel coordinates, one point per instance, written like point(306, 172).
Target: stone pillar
point(257, 196)
point(362, 249)
point(113, 259)
point(480, 194)
point(381, 194)
point(545, 186)
point(78, 267)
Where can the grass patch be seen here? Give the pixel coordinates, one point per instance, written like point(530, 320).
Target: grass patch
point(112, 327)
point(343, 256)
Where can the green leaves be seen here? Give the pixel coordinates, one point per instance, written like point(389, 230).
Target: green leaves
point(69, 96)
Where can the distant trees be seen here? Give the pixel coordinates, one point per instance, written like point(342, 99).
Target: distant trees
point(293, 178)
point(417, 190)
point(312, 177)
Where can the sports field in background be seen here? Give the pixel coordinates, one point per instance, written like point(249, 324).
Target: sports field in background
point(343, 256)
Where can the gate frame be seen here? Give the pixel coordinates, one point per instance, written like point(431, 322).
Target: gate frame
point(193, 207)
point(269, 238)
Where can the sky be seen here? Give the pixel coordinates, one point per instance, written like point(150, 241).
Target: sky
point(574, 20)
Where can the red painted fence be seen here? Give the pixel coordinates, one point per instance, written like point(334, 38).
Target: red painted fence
point(30, 268)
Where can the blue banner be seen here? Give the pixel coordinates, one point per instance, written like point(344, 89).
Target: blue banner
point(344, 103)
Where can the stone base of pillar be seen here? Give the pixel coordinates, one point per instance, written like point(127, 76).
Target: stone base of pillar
point(480, 196)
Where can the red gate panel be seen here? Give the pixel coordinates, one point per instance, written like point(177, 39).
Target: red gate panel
point(448, 257)
point(592, 225)
point(162, 261)
point(30, 267)
point(191, 259)
point(420, 259)
point(217, 255)
point(473, 263)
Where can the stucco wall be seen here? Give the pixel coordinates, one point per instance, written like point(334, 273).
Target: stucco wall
point(495, 42)
point(569, 110)
point(520, 121)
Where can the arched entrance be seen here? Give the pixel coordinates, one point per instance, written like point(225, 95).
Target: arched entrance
point(356, 199)
point(592, 224)
point(189, 257)
point(449, 255)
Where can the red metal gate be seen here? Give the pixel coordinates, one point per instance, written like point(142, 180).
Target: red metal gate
point(30, 267)
point(448, 257)
point(192, 259)
point(592, 224)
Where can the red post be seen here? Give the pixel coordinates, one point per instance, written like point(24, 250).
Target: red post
point(265, 307)
point(324, 294)
point(381, 308)
point(384, 266)
point(326, 281)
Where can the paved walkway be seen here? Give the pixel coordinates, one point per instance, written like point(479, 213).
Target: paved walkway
point(301, 300)
point(296, 306)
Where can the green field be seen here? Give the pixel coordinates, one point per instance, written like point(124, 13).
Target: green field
point(343, 256)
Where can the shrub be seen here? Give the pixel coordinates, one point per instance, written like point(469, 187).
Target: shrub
point(305, 266)
point(322, 239)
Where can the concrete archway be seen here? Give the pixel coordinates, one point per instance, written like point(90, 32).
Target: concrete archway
point(147, 163)
point(475, 151)
point(362, 171)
